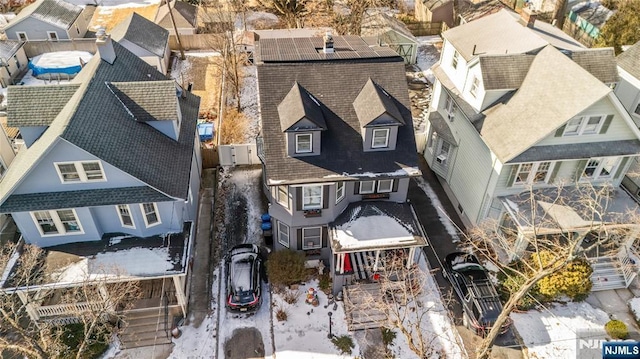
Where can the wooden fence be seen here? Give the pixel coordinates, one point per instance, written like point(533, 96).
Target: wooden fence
point(419, 28)
point(192, 42)
point(35, 48)
point(210, 157)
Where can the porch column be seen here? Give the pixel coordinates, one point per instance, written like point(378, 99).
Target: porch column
point(30, 307)
point(377, 261)
point(182, 300)
point(340, 263)
point(104, 293)
point(412, 253)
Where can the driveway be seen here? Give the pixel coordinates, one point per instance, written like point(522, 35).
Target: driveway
point(442, 243)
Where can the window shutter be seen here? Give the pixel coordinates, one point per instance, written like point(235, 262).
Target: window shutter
point(556, 167)
point(356, 187)
point(298, 198)
point(299, 238)
point(512, 175)
point(560, 131)
point(395, 185)
point(620, 169)
point(325, 197)
point(579, 169)
point(605, 126)
point(325, 237)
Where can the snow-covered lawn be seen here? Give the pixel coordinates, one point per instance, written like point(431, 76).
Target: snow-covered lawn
point(552, 333)
point(634, 305)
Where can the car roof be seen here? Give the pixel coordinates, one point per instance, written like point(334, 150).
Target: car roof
point(241, 271)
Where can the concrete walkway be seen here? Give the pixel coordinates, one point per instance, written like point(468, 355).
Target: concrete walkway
point(614, 302)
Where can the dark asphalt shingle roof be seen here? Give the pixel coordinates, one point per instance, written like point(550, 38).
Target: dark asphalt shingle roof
point(601, 63)
point(501, 72)
point(335, 84)
point(439, 124)
point(8, 48)
point(372, 102)
point(630, 60)
point(578, 151)
point(184, 14)
point(299, 104)
point(37, 105)
point(82, 198)
point(142, 32)
point(148, 100)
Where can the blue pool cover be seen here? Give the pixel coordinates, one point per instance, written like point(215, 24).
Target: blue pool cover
point(37, 70)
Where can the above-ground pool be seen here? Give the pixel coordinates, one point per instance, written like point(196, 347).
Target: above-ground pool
point(59, 62)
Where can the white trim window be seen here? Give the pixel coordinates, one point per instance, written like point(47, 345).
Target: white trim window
point(57, 222)
point(283, 195)
point(454, 59)
point(304, 143)
point(367, 187)
point(283, 234)
point(600, 168)
point(52, 35)
point(22, 36)
point(339, 192)
point(385, 186)
point(475, 83)
point(150, 214)
point(126, 219)
point(432, 140)
point(311, 197)
point(82, 171)
point(585, 125)
point(311, 237)
point(533, 172)
point(380, 138)
point(450, 107)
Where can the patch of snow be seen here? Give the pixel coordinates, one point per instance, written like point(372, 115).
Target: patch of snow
point(10, 264)
point(372, 231)
point(30, 80)
point(428, 54)
point(634, 305)
point(116, 240)
point(552, 333)
point(406, 171)
point(114, 3)
point(444, 219)
point(202, 53)
point(249, 102)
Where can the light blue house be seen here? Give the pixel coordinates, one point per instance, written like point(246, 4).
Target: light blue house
point(111, 174)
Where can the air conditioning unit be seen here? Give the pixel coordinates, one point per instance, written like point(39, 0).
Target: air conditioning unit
point(441, 158)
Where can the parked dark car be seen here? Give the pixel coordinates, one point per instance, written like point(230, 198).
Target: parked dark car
point(244, 287)
point(481, 304)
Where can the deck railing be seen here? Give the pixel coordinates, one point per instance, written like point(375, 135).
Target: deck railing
point(67, 309)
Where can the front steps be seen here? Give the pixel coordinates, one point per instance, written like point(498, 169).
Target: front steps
point(146, 327)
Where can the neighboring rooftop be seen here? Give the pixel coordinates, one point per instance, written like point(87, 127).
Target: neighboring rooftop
point(8, 48)
point(470, 11)
point(593, 12)
point(629, 60)
point(55, 12)
point(142, 32)
point(184, 14)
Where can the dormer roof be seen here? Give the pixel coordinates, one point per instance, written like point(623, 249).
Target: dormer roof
point(147, 100)
point(373, 102)
point(299, 104)
point(630, 60)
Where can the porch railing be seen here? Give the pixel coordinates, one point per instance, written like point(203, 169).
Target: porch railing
point(67, 309)
point(628, 267)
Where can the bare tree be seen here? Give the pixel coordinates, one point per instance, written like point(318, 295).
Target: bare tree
point(561, 225)
point(97, 305)
point(293, 12)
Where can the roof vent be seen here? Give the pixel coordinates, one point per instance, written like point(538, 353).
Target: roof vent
point(328, 43)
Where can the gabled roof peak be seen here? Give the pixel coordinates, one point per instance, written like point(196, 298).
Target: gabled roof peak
point(299, 104)
point(372, 102)
point(147, 100)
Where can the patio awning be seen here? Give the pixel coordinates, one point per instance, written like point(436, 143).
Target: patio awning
point(376, 225)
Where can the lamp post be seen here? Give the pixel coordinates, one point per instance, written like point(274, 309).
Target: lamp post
point(329, 335)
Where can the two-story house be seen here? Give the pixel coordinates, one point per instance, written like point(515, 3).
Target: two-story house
point(148, 40)
point(51, 20)
point(520, 109)
point(338, 151)
point(109, 181)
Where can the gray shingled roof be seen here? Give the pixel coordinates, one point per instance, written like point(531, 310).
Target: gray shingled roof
point(336, 84)
point(630, 60)
point(539, 108)
point(601, 63)
point(82, 198)
point(372, 102)
point(440, 126)
point(8, 48)
point(37, 105)
point(95, 121)
point(142, 32)
point(501, 72)
point(184, 14)
point(148, 100)
point(299, 104)
point(578, 151)
point(55, 12)
point(470, 11)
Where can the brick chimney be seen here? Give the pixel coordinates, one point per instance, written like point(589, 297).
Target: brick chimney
point(105, 46)
point(528, 17)
point(328, 43)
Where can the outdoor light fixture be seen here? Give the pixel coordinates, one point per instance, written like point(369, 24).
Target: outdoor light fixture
point(330, 335)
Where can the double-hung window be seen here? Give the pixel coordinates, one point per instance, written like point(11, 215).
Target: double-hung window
point(53, 36)
point(73, 172)
point(339, 191)
point(283, 195)
point(304, 143)
point(585, 125)
point(57, 222)
point(311, 237)
point(379, 186)
point(454, 59)
point(125, 215)
point(385, 186)
point(22, 36)
point(283, 234)
point(450, 107)
point(600, 168)
point(311, 197)
point(380, 138)
point(474, 86)
point(534, 172)
point(150, 214)
point(367, 187)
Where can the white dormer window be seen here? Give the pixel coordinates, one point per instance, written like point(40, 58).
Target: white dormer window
point(304, 143)
point(474, 86)
point(585, 125)
point(454, 60)
point(380, 138)
point(22, 36)
point(73, 172)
